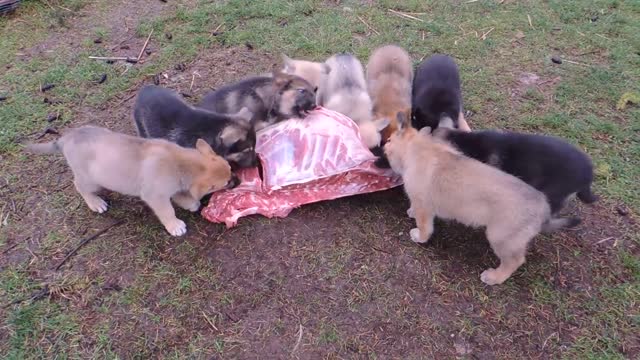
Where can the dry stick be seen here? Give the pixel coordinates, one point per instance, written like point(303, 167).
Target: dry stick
point(209, 321)
point(484, 35)
point(40, 294)
point(126, 99)
point(218, 28)
point(193, 78)
point(575, 62)
point(367, 25)
point(144, 47)
point(85, 241)
point(401, 14)
point(109, 58)
point(299, 339)
point(530, 24)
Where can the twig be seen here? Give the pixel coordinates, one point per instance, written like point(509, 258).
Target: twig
point(588, 53)
point(575, 63)
point(193, 78)
point(471, 1)
point(530, 24)
point(10, 248)
point(144, 47)
point(209, 321)
point(401, 14)
point(109, 58)
point(126, 99)
point(367, 25)
point(85, 241)
point(295, 348)
point(484, 35)
point(605, 239)
point(218, 27)
point(40, 294)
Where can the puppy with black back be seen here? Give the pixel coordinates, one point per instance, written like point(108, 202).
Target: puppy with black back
point(549, 164)
point(437, 95)
point(162, 113)
point(270, 99)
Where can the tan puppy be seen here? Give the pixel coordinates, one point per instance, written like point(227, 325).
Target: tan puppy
point(308, 70)
point(157, 171)
point(389, 79)
point(441, 182)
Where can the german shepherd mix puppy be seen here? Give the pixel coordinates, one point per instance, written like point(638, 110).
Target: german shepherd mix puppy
point(162, 113)
point(156, 170)
point(549, 164)
point(311, 71)
point(442, 182)
point(270, 99)
point(389, 77)
point(344, 90)
point(437, 98)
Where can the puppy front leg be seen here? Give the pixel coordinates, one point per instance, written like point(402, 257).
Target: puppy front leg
point(161, 206)
point(87, 190)
point(462, 123)
point(186, 201)
point(424, 220)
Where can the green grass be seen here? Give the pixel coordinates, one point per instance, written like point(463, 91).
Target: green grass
point(575, 101)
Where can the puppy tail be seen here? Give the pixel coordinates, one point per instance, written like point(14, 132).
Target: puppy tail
point(554, 224)
point(44, 148)
point(586, 196)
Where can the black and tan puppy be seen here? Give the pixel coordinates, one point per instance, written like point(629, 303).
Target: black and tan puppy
point(437, 97)
point(162, 113)
point(156, 170)
point(442, 182)
point(270, 99)
point(549, 164)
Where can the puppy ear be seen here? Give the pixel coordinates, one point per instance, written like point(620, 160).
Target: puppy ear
point(280, 79)
point(244, 115)
point(425, 131)
point(382, 124)
point(288, 63)
point(204, 148)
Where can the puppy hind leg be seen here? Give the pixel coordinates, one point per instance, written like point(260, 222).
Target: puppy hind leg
point(424, 220)
point(163, 209)
point(87, 190)
point(511, 251)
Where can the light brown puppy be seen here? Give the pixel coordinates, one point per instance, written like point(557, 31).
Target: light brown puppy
point(308, 70)
point(441, 182)
point(389, 80)
point(156, 170)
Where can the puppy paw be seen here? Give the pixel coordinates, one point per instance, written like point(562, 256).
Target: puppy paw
point(97, 205)
point(492, 277)
point(176, 227)
point(411, 213)
point(417, 237)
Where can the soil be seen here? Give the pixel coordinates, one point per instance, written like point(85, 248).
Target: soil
point(332, 280)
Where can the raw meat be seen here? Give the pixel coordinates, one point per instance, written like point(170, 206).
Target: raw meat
point(321, 157)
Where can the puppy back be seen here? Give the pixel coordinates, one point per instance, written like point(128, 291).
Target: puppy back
point(390, 59)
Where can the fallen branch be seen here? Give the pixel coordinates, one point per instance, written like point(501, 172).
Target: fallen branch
point(85, 241)
point(144, 47)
